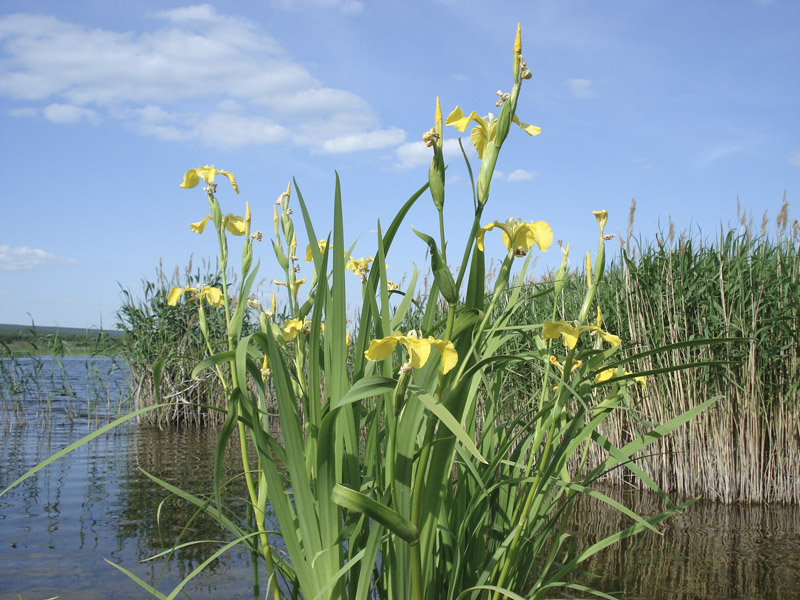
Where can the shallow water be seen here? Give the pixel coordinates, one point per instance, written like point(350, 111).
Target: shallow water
point(58, 528)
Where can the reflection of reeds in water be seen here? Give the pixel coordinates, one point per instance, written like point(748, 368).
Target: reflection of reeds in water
point(710, 551)
point(182, 457)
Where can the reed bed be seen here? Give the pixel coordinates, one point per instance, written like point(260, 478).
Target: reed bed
point(739, 284)
point(163, 342)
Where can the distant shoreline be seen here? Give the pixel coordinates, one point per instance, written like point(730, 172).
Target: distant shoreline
point(33, 340)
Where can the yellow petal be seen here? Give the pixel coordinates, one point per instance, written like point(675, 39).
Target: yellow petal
point(542, 233)
point(383, 348)
point(448, 352)
point(479, 137)
point(212, 295)
point(291, 328)
point(457, 119)
point(175, 295)
point(529, 129)
point(569, 333)
point(481, 233)
point(235, 225)
point(200, 226)
point(608, 337)
point(190, 179)
point(602, 218)
point(418, 350)
point(209, 173)
point(604, 375)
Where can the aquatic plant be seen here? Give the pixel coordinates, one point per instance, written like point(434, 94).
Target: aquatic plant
point(394, 474)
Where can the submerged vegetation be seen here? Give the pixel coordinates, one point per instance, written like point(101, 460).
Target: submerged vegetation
point(443, 459)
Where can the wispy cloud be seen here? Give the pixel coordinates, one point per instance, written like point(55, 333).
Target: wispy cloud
point(795, 159)
point(718, 152)
point(26, 258)
point(521, 175)
point(350, 7)
point(198, 76)
point(581, 88)
point(514, 176)
point(415, 154)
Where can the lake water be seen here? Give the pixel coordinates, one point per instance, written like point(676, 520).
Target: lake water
point(58, 528)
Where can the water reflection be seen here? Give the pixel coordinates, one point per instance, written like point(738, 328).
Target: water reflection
point(57, 528)
point(710, 551)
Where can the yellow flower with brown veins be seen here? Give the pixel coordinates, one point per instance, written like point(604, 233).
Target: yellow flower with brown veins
point(486, 127)
point(419, 349)
point(520, 236)
point(193, 176)
point(210, 294)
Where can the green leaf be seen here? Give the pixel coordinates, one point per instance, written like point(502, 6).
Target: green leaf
point(447, 419)
point(389, 518)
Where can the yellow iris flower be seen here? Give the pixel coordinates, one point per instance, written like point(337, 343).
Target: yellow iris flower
point(322, 244)
point(210, 294)
point(569, 333)
point(293, 327)
point(519, 236)
point(235, 225)
point(295, 287)
point(193, 176)
point(419, 349)
point(486, 127)
point(359, 266)
point(609, 373)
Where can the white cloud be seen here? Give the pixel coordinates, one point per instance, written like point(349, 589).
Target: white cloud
point(26, 258)
point(581, 88)
point(795, 159)
point(369, 140)
point(27, 112)
point(66, 113)
point(521, 175)
point(229, 85)
point(415, 154)
point(350, 7)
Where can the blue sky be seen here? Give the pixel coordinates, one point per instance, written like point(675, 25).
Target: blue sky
point(685, 106)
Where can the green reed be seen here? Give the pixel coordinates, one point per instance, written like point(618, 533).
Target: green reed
point(157, 334)
point(737, 284)
point(398, 471)
point(33, 376)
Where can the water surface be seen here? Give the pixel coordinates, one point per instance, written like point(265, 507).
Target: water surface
point(58, 528)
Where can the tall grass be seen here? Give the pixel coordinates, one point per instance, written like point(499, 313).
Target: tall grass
point(739, 284)
point(167, 339)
